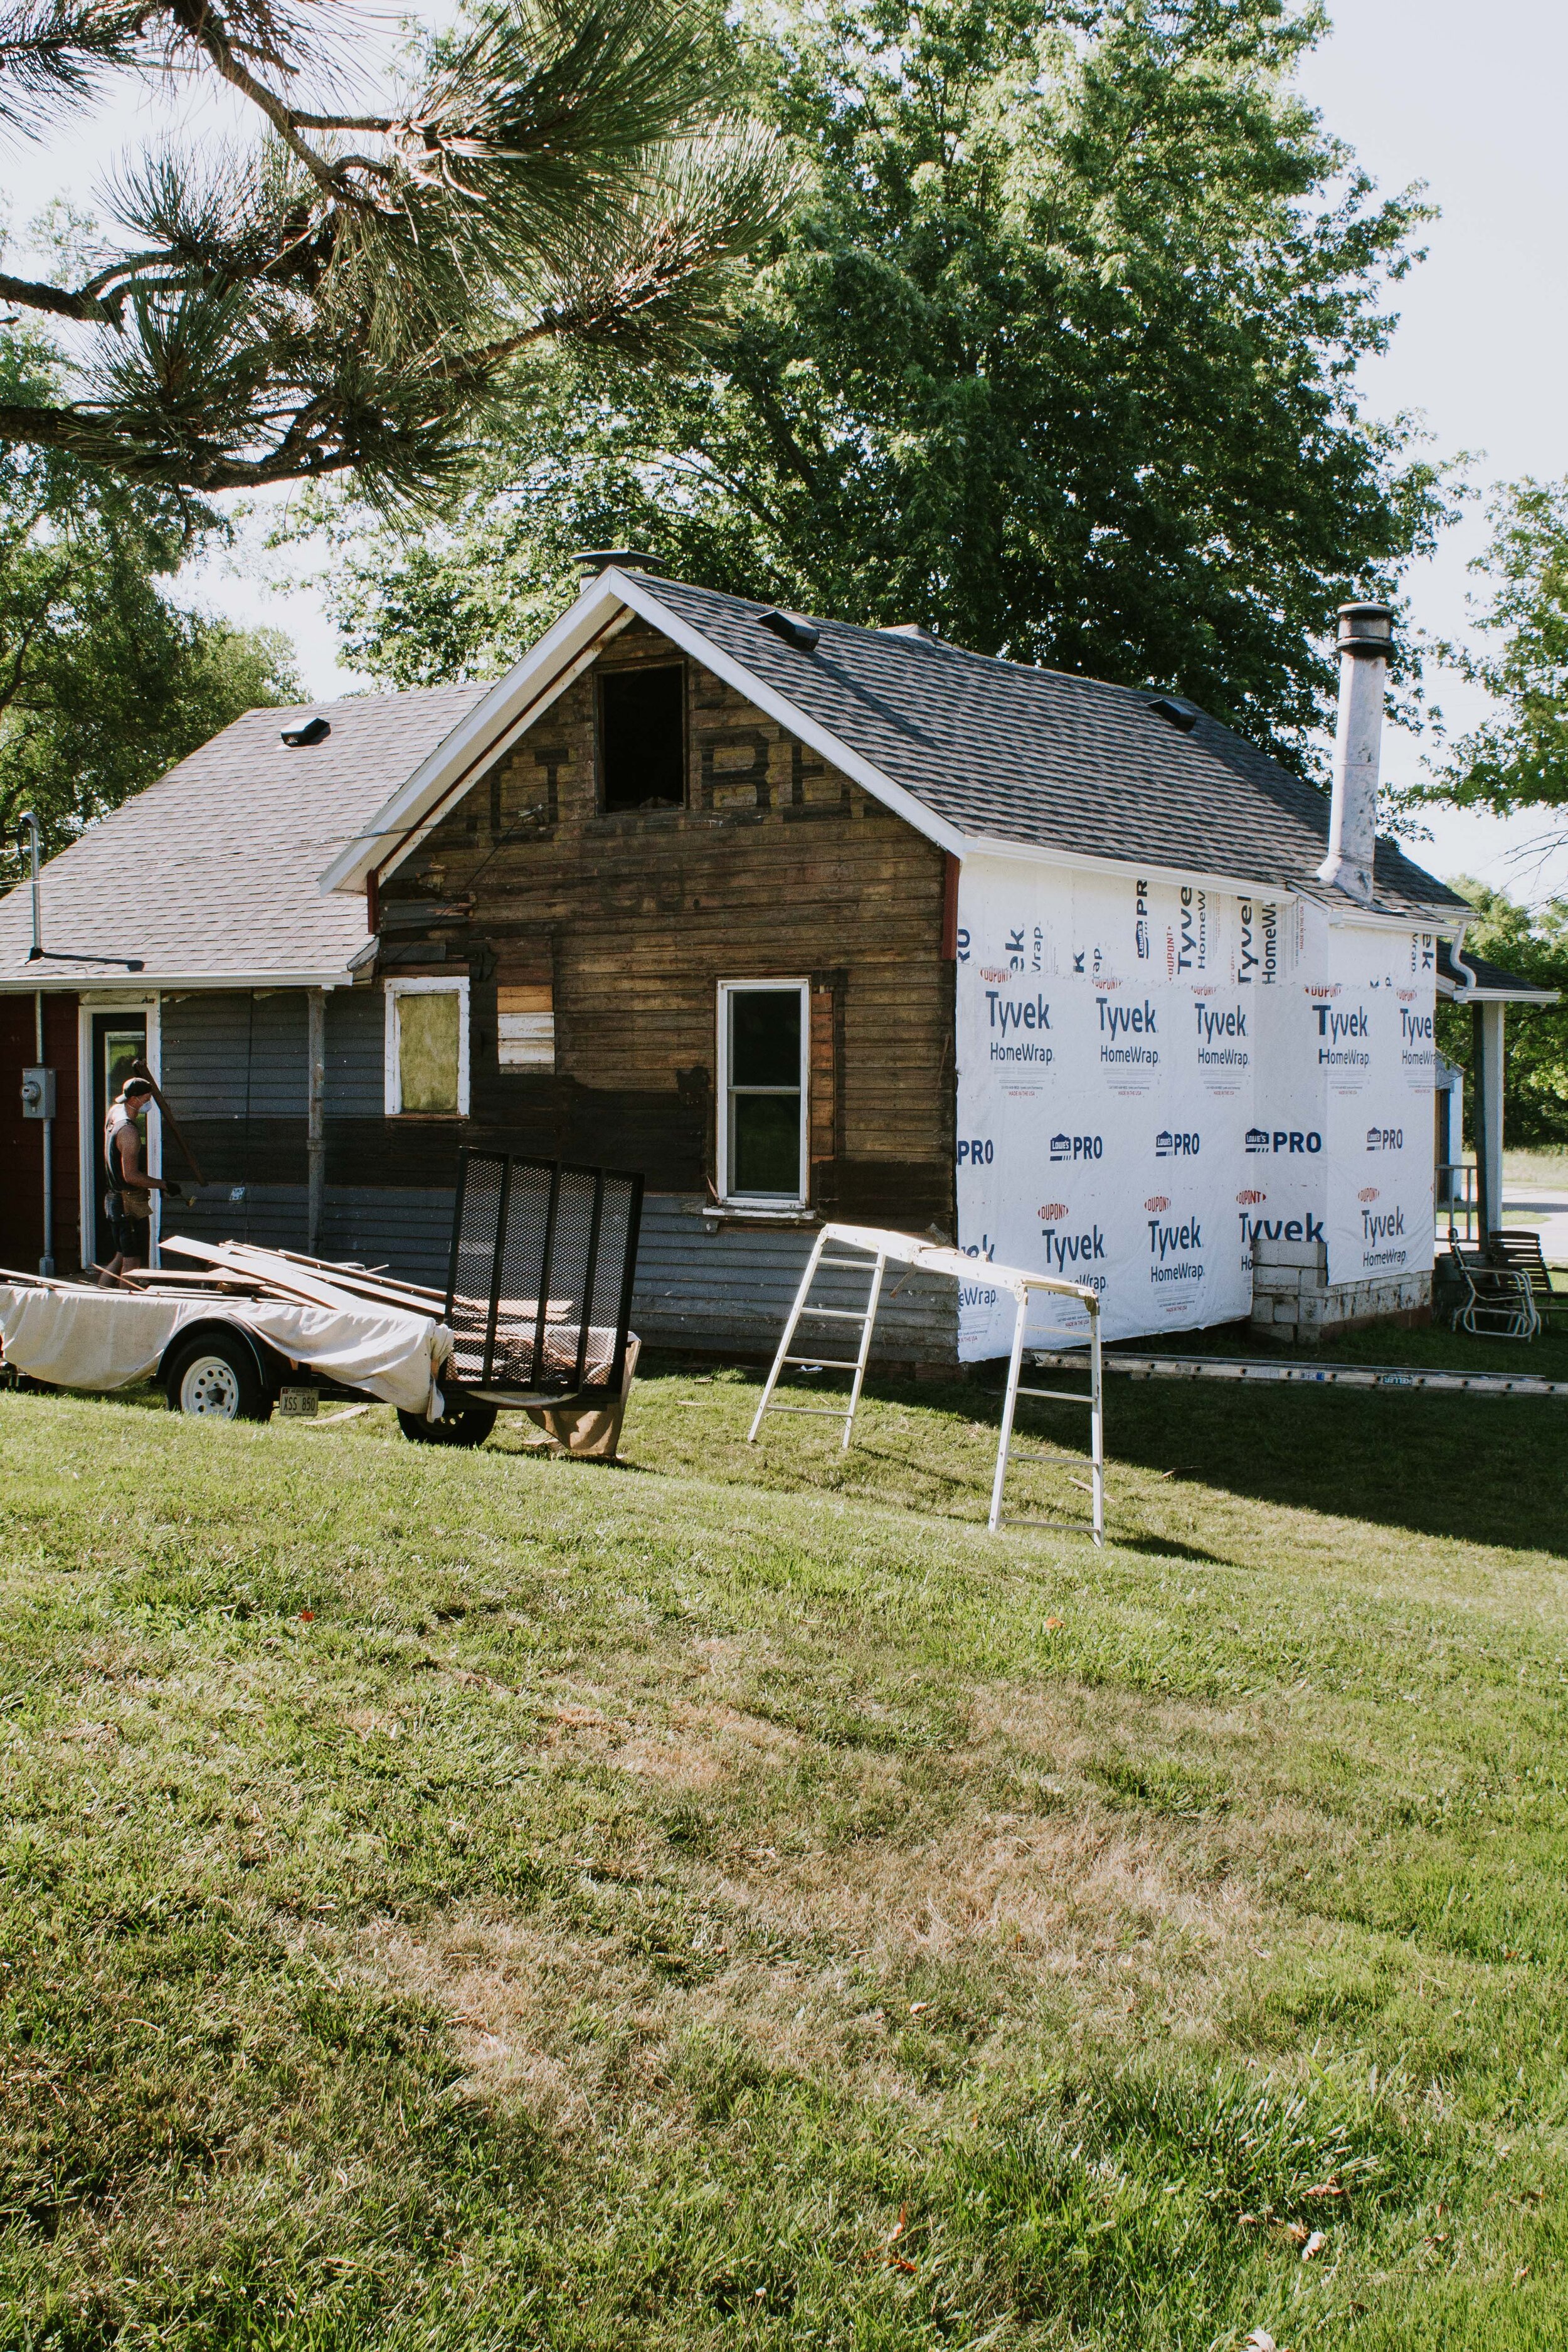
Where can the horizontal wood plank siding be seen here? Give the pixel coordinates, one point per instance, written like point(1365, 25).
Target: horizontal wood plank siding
point(778, 867)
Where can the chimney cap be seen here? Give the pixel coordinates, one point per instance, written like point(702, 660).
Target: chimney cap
point(592, 561)
point(1366, 628)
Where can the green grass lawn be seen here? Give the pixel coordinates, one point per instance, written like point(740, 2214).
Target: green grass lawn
point(483, 1900)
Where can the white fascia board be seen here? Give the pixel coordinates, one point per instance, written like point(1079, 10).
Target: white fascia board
point(523, 695)
point(136, 984)
point(1033, 854)
point(1441, 921)
point(642, 596)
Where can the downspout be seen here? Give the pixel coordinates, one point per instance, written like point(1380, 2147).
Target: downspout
point(315, 1120)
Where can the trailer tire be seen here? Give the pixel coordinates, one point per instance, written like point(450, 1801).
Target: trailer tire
point(216, 1376)
point(462, 1425)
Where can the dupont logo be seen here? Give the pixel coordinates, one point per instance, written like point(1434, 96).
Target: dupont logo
point(1156, 1201)
point(1077, 1147)
point(1250, 1199)
point(1369, 1193)
point(995, 972)
point(1051, 1211)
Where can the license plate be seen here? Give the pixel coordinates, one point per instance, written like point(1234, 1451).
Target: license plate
point(299, 1404)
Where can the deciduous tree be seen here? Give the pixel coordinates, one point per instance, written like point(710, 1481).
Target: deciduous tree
point(1057, 356)
point(105, 679)
point(1532, 942)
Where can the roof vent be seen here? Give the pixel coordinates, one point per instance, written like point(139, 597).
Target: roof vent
point(592, 561)
point(793, 629)
point(1182, 714)
point(314, 730)
point(916, 629)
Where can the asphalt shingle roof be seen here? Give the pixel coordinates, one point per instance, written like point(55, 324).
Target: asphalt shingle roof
point(1480, 974)
point(1038, 757)
point(210, 873)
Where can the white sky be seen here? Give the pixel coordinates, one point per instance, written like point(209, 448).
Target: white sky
point(1468, 100)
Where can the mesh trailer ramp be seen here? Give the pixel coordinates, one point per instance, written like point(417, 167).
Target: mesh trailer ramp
point(539, 1285)
point(869, 1250)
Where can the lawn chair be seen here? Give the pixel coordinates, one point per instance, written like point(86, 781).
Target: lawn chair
point(1491, 1301)
point(1522, 1250)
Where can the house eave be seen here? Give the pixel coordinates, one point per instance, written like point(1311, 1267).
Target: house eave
point(133, 983)
point(510, 707)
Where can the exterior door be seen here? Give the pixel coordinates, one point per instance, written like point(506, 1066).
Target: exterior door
point(118, 1040)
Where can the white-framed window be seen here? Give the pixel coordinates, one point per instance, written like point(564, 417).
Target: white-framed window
point(427, 1048)
point(765, 1040)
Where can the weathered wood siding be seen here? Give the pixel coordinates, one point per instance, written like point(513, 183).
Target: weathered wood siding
point(778, 867)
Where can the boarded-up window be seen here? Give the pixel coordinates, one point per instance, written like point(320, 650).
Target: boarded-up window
point(428, 1047)
point(525, 1028)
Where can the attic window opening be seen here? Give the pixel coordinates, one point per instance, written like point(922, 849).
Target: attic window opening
point(642, 738)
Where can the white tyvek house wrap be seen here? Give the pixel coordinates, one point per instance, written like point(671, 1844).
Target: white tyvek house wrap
point(1140, 1090)
point(1373, 1032)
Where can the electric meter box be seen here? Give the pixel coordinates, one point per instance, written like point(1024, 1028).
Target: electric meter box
point(38, 1094)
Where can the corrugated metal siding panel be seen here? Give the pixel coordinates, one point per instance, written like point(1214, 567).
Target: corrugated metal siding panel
point(357, 1054)
point(236, 1053)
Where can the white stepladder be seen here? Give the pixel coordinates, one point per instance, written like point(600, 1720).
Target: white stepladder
point(876, 1248)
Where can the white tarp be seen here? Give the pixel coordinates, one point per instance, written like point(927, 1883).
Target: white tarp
point(112, 1338)
point(1151, 1074)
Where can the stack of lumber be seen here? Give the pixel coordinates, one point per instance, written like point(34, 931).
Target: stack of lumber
point(245, 1268)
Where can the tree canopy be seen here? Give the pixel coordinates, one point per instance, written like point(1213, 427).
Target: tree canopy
point(1532, 942)
point(1519, 758)
point(349, 289)
point(1055, 355)
point(105, 681)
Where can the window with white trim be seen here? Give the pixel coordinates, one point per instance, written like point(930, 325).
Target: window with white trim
point(427, 1048)
point(763, 1040)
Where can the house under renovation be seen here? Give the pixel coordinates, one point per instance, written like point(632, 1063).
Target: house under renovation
point(798, 920)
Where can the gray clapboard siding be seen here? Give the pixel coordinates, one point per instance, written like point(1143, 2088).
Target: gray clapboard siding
point(356, 1053)
point(732, 1289)
point(274, 1216)
point(231, 1054)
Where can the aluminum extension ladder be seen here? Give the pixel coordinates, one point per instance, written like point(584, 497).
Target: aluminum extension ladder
point(878, 1248)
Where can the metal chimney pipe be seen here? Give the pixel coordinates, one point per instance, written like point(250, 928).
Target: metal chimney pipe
point(1364, 641)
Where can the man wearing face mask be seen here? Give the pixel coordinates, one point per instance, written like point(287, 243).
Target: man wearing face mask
point(128, 1204)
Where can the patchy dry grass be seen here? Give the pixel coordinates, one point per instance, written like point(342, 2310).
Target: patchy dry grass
point(485, 1900)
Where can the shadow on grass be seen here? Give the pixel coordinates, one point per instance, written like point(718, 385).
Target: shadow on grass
point(1475, 1468)
point(1483, 1469)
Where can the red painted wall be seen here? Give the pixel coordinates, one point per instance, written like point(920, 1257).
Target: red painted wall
point(22, 1139)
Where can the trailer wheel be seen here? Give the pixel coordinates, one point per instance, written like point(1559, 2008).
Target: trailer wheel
point(215, 1377)
point(462, 1425)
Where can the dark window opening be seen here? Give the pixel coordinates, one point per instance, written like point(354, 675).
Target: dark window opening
point(642, 739)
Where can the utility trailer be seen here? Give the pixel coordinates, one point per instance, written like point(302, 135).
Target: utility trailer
point(535, 1317)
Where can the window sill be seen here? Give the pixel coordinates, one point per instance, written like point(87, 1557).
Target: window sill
point(736, 1212)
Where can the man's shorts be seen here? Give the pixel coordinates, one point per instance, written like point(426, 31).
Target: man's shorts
point(128, 1234)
